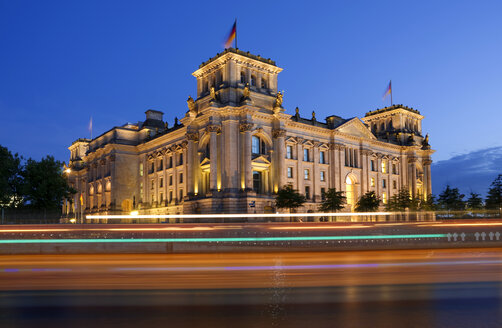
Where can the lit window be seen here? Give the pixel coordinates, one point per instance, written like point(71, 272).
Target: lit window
point(306, 155)
point(306, 173)
point(384, 167)
point(372, 182)
point(384, 198)
point(255, 145)
point(323, 176)
point(141, 169)
point(290, 172)
point(289, 152)
point(322, 160)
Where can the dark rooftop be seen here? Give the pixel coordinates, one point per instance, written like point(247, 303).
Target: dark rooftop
point(387, 109)
point(239, 52)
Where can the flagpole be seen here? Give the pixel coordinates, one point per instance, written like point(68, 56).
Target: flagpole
point(236, 33)
point(391, 93)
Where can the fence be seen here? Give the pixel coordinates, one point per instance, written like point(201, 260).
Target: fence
point(29, 216)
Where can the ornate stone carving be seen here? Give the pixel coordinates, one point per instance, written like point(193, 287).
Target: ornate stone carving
point(192, 136)
point(192, 112)
point(245, 127)
point(278, 133)
point(427, 161)
point(278, 100)
point(213, 128)
point(184, 144)
point(245, 92)
point(412, 160)
point(212, 93)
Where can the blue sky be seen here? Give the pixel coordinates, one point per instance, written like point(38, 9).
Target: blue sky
point(64, 61)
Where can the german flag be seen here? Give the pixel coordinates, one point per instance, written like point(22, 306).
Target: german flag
point(231, 36)
point(388, 91)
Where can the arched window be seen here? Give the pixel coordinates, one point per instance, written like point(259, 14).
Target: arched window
point(349, 191)
point(382, 127)
point(243, 78)
point(253, 80)
point(263, 83)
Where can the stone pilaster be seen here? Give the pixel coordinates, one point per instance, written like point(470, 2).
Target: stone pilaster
point(213, 130)
point(247, 168)
point(279, 147)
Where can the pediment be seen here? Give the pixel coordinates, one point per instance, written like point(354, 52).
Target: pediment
point(356, 128)
point(291, 140)
point(260, 160)
point(205, 161)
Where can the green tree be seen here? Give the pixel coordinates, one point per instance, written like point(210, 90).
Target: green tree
point(429, 204)
point(369, 202)
point(333, 201)
point(289, 198)
point(494, 198)
point(44, 186)
point(451, 199)
point(400, 201)
point(10, 179)
point(475, 202)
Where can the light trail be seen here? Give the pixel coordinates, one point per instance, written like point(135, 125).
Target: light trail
point(440, 224)
point(221, 216)
point(320, 227)
point(217, 240)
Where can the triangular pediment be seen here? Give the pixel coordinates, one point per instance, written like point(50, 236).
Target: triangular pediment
point(260, 160)
point(205, 161)
point(356, 128)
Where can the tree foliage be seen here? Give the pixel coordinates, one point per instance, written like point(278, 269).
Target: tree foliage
point(10, 179)
point(475, 202)
point(400, 201)
point(451, 199)
point(494, 197)
point(44, 185)
point(289, 198)
point(333, 202)
point(429, 204)
point(369, 202)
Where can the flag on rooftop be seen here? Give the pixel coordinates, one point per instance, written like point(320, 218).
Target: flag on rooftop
point(231, 37)
point(388, 91)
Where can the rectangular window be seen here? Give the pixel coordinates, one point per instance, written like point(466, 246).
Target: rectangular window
point(161, 165)
point(152, 167)
point(306, 174)
point(322, 160)
point(323, 193)
point(255, 145)
point(384, 167)
point(152, 186)
point(305, 155)
point(141, 169)
point(384, 198)
point(290, 172)
point(181, 177)
point(181, 159)
point(307, 192)
point(346, 157)
point(394, 184)
point(161, 182)
point(373, 166)
point(170, 180)
point(161, 198)
point(394, 169)
point(141, 192)
point(372, 182)
point(181, 195)
point(257, 181)
point(289, 152)
point(384, 183)
point(170, 197)
point(170, 162)
point(323, 176)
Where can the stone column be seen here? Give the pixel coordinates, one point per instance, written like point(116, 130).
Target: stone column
point(193, 138)
point(332, 167)
point(299, 174)
point(341, 165)
point(413, 176)
point(214, 130)
point(316, 190)
point(278, 165)
point(247, 169)
point(427, 171)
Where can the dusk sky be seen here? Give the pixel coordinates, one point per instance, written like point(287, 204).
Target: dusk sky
point(62, 62)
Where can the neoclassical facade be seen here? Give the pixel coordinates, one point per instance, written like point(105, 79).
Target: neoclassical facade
point(236, 146)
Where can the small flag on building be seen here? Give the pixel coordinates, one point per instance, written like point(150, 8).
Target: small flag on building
point(232, 36)
point(388, 91)
point(90, 126)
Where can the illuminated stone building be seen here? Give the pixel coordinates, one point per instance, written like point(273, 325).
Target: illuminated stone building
point(236, 146)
